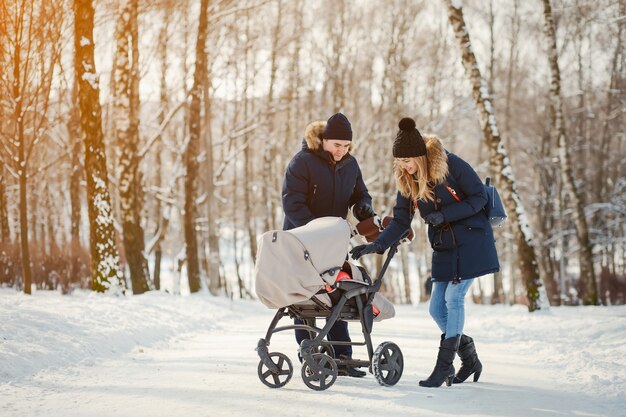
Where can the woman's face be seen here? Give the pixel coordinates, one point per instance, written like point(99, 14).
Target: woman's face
point(408, 164)
point(337, 148)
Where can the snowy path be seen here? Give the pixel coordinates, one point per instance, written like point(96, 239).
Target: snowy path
point(212, 371)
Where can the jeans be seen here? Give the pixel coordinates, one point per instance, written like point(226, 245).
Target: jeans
point(447, 306)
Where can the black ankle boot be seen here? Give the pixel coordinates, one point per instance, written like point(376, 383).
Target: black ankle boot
point(470, 364)
point(444, 371)
point(347, 368)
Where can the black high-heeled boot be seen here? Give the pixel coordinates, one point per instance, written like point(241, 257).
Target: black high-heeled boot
point(470, 364)
point(444, 370)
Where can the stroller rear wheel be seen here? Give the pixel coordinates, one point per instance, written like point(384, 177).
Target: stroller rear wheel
point(387, 364)
point(320, 375)
point(276, 379)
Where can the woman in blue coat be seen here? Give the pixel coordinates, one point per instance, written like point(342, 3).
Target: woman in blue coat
point(450, 197)
point(324, 179)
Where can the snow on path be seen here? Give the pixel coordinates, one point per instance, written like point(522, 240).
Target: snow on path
point(194, 356)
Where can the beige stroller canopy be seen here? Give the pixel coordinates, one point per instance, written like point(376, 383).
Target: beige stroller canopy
point(293, 265)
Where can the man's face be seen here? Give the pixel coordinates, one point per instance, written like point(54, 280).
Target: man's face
point(338, 148)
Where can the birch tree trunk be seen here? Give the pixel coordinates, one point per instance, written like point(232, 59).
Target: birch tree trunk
point(585, 254)
point(105, 270)
point(191, 152)
point(126, 114)
point(499, 160)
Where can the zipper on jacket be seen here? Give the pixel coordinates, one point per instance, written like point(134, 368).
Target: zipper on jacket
point(314, 188)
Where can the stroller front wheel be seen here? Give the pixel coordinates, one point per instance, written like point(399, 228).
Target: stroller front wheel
point(276, 379)
point(321, 374)
point(387, 364)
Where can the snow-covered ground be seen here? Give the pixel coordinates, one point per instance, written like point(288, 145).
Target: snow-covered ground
point(163, 355)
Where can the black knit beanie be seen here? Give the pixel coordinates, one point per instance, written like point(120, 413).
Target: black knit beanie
point(409, 143)
point(338, 127)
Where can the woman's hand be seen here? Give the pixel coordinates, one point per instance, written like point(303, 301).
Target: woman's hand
point(434, 219)
point(361, 250)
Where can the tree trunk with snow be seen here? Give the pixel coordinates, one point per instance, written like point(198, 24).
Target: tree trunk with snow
point(5, 233)
point(270, 194)
point(499, 160)
point(17, 97)
point(615, 94)
point(105, 270)
point(126, 114)
point(248, 161)
point(585, 254)
point(76, 174)
point(160, 220)
point(191, 152)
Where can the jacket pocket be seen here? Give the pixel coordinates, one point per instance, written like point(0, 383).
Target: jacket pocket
point(443, 238)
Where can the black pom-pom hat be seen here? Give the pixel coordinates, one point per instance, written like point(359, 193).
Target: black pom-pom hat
point(409, 142)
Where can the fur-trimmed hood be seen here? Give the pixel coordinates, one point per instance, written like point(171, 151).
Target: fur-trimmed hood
point(313, 136)
point(437, 159)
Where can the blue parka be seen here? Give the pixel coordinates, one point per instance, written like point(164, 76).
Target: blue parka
point(463, 246)
point(315, 186)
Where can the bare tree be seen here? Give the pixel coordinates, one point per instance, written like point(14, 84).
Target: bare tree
point(105, 269)
point(191, 152)
point(585, 255)
point(498, 157)
point(126, 114)
point(76, 175)
point(161, 220)
point(32, 32)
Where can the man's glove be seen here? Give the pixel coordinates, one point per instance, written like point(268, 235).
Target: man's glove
point(363, 212)
point(361, 250)
point(434, 219)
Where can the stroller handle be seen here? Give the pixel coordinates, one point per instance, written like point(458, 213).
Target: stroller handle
point(392, 251)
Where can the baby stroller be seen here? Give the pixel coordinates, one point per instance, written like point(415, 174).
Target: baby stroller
point(300, 273)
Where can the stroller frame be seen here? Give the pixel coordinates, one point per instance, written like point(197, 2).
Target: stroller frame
point(352, 301)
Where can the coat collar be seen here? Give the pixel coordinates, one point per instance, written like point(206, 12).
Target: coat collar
point(437, 159)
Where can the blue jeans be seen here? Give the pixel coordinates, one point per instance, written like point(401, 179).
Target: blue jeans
point(447, 305)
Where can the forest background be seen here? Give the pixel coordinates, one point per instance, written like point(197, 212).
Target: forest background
point(142, 135)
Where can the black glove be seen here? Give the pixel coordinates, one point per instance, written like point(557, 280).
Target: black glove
point(434, 219)
point(363, 212)
point(361, 250)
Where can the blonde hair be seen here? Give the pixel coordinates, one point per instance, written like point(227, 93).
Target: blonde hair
point(415, 187)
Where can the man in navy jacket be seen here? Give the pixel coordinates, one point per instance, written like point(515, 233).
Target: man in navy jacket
point(324, 179)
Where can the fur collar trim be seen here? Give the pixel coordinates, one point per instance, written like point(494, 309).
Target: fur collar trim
point(437, 159)
point(313, 135)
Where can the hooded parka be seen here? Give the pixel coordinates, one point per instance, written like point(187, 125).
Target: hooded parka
point(463, 246)
point(316, 186)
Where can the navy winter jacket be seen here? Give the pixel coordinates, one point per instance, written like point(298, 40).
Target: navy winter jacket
point(464, 245)
point(314, 186)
